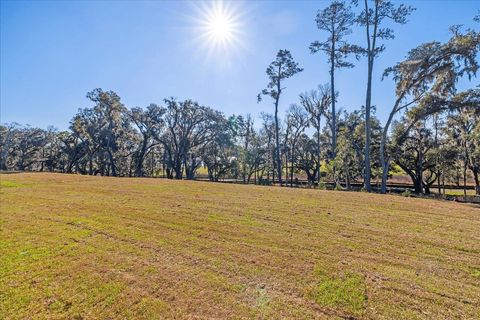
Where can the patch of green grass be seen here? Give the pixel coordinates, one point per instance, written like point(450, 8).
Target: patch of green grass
point(262, 299)
point(249, 220)
point(469, 250)
point(108, 292)
point(475, 272)
point(9, 184)
point(346, 291)
point(151, 307)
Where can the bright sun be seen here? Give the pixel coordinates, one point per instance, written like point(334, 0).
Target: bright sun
point(220, 27)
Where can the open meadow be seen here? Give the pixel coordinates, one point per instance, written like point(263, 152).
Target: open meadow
point(83, 247)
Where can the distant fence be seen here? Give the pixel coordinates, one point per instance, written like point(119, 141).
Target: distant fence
point(331, 184)
point(392, 187)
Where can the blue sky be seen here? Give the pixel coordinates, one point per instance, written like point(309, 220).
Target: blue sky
point(54, 52)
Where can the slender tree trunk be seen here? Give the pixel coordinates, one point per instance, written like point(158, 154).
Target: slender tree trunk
point(437, 155)
point(318, 153)
point(277, 141)
point(286, 165)
point(291, 167)
point(465, 176)
point(371, 56)
point(367, 183)
point(383, 157)
point(385, 169)
point(273, 165)
point(384, 161)
point(420, 163)
point(247, 142)
point(334, 115)
point(443, 184)
point(347, 178)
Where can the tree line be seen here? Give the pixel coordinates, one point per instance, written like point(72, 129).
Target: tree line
point(432, 132)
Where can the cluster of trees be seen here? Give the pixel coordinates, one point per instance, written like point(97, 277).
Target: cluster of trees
point(432, 132)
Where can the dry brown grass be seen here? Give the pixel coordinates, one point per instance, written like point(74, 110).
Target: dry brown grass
point(81, 247)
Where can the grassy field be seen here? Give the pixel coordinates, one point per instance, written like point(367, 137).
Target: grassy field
point(78, 247)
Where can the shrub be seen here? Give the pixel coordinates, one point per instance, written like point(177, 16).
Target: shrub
point(407, 193)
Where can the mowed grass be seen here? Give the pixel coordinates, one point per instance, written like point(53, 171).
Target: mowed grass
point(79, 247)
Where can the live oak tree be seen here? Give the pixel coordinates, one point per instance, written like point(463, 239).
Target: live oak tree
point(110, 116)
point(149, 123)
point(349, 156)
point(412, 148)
point(282, 68)
point(373, 17)
point(189, 129)
point(427, 79)
point(28, 143)
point(464, 129)
point(73, 151)
point(85, 127)
point(245, 132)
point(220, 155)
point(268, 130)
point(307, 157)
point(297, 121)
point(7, 143)
point(315, 103)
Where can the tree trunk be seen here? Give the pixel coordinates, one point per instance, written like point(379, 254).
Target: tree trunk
point(90, 164)
point(465, 177)
point(437, 155)
point(277, 141)
point(112, 163)
point(443, 184)
point(477, 182)
point(385, 168)
point(286, 165)
point(419, 168)
point(178, 170)
point(140, 157)
point(318, 153)
point(383, 158)
point(292, 160)
point(367, 183)
point(417, 185)
point(273, 165)
point(427, 188)
point(384, 161)
point(371, 43)
point(334, 116)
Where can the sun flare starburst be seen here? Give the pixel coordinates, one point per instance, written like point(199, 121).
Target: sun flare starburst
point(219, 25)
